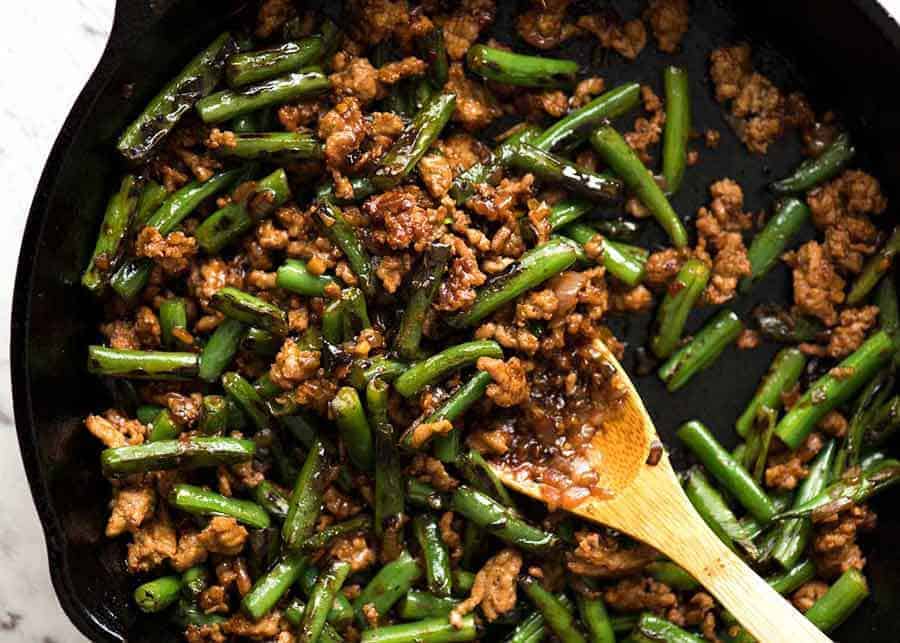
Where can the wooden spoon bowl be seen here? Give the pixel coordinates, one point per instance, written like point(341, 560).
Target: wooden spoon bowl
point(641, 496)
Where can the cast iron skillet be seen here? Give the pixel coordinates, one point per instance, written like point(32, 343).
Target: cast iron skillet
point(844, 53)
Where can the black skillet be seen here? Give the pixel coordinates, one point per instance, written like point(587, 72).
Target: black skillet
point(844, 53)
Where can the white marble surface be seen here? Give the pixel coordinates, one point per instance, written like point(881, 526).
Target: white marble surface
point(58, 42)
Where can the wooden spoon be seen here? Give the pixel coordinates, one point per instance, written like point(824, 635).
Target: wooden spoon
point(647, 503)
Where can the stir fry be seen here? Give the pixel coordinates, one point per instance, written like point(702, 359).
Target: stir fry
point(357, 262)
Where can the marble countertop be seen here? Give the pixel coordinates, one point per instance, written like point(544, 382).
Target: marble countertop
point(29, 122)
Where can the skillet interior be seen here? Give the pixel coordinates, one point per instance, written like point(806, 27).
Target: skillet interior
point(843, 54)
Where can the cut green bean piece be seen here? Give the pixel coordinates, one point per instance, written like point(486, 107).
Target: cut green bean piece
point(840, 601)
point(433, 51)
point(793, 535)
point(417, 605)
point(438, 366)
point(283, 147)
point(341, 612)
point(681, 296)
point(432, 630)
point(573, 126)
point(888, 307)
point(677, 127)
point(672, 575)
point(624, 262)
point(387, 586)
point(500, 521)
point(652, 629)
point(294, 615)
point(152, 196)
point(556, 169)
point(700, 353)
point(711, 506)
point(446, 447)
point(532, 269)
point(354, 428)
point(817, 170)
point(255, 66)
point(829, 392)
point(729, 473)
point(320, 600)
point(465, 184)
point(296, 277)
point(228, 104)
point(117, 219)
point(270, 498)
point(190, 453)
point(565, 212)
point(131, 277)
point(794, 578)
point(423, 287)
point(619, 156)
point(221, 349)
point(773, 240)
point(146, 413)
point(365, 370)
point(511, 68)
point(558, 617)
point(156, 365)
point(157, 595)
point(533, 628)
point(270, 587)
point(172, 317)
point(202, 502)
point(437, 558)
point(875, 268)
point(164, 427)
point(306, 499)
point(389, 500)
point(250, 309)
point(344, 236)
point(595, 619)
point(184, 201)
point(247, 399)
point(322, 538)
point(414, 141)
point(783, 374)
point(194, 581)
point(261, 342)
point(195, 81)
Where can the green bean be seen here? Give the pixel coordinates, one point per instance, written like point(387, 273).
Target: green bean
point(434, 368)
point(202, 502)
point(157, 595)
point(423, 287)
point(294, 86)
point(888, 308)
point(565, 212)
point(433, 51)
point(672, 575)
point(680, 298)
point(156, 365)
point(480, 475)
point(306, 498)
point(194, 581)
point(731, 475)
point(783, 374)
point(341, 612)
point(270, 498)
point(196, 80)
point(828, 392)
point(164, 427)
point(146, 413)
point(772, 241)
point(423, 495)
point(414, 141)
point(533, 628)
point(558, 617)
point(532, 269)
point(111, 240)
point(261, 342)
point(867, 406)
point(247, 399)
point(488, 171)
point(255, 66)
point(295, 276)
point(250, 310)
point(322, 538)
point(294, 615)
point(875, 268)
point(624, 262)
point(462, 582)
point(225, 226)
point(417, 605)
point(189, 453)
point(344, 236)
point(793, 578)
point(609, 105)
point(172, 315)
point(131, 277)
point(556, 169)
point(283, 147)
point(184, 201)
point(500, 521)
point(652, 628)
point(220, 349)
point(715, 512)
point(365, 370)
point(389, 505)
point(391, 583)
point(432, 630)
point(446, 447)
point(705, 347)
point(817, 170)
point(353, 428)
point(595, 619)
point(436, 556)
point(840, 601)
point(322, 596)
point(851, 489)
point(152, 196)
point(619, 156)
point(189, 614)
point(677, 127)
point(270, 587)
point(519, 69)
point(793, 535)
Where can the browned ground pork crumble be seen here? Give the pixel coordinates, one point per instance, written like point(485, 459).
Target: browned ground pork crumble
point(553, 390)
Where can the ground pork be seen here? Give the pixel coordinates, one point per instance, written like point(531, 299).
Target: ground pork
point(115, 430)
point(720, 244)
point(808, 594)
point(392, 269)
point(450, 536)
point(432, 471)
point(189, 551)
point(293, 365)
point(834, 543)
point(130, 507)
point(463, 26)
point(396, 71)
point(628, 39)
point(207, 633)
point(748, 339)
point(639, 593)
point(147, 328)
point(355, 77)
point(545, 24)
point(510, 385)
point(272, 16)
point(585, 91)
point(476, 107)
point(462, 151)
point(210, 276)
point(786, 469)
point(509, 336)
point(536, 105)
point(343, 129)
point(436, 174)
point(850, 332)
point(172, 253)
point(265, 628)
point(376, 20)
point(662, 266)
point(223, 535)
point(669, 22)
point(424, 431)
point(605, 556)
point(818, 289)
point(647, 131)
point(354, 550)
point(403, 217)
point(494, 588)
point(154, 542)
point(339, 505)
point(457, 290)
